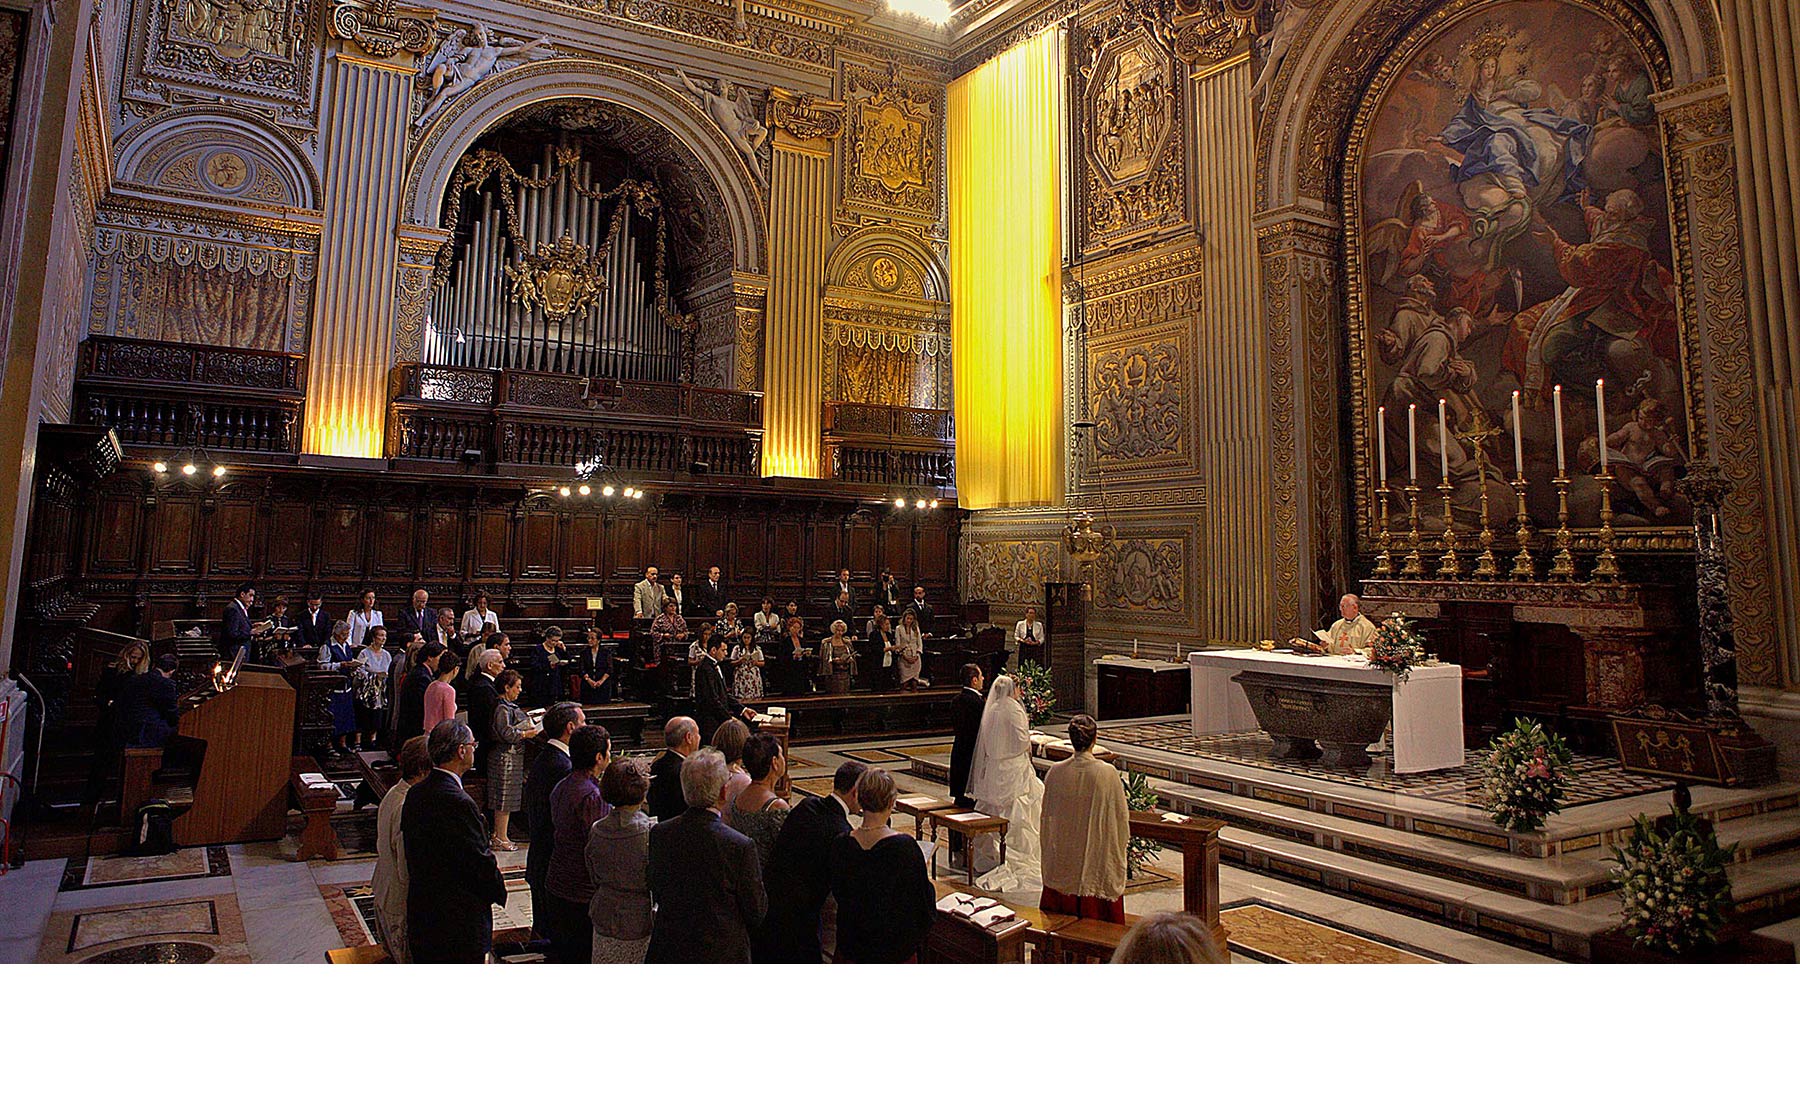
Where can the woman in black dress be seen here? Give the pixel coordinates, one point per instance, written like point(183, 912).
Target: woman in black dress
point(595, 669)
point(884, 895)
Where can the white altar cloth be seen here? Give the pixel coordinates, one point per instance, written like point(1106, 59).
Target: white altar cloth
point(1428, 718)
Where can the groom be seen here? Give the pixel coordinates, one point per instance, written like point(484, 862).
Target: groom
point(966, 722)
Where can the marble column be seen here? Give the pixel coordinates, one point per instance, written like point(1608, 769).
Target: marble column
point(793, 369)
point(369, 105)
point(1762, 48)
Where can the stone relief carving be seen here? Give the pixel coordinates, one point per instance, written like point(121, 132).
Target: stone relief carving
point(257, 48)
point(1133, 142)
point(1142, 574)
point(1136, 396)
point(463, 60)
point(732, 111)
point(1273, 45)
point(893, 123)
point(382, 28)
point(1009, 571)
point(805, 116)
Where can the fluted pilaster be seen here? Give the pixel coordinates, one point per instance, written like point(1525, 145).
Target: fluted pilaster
point(793, 367)
point(352, 328)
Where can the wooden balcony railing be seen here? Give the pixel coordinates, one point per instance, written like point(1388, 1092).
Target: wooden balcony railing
point(160, 394)
point(889, 445)
point(521, 420)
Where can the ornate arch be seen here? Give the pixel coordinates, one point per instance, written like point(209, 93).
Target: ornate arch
point(887, 321)
point(273, 169)
point(444, 142)
point(875, 241)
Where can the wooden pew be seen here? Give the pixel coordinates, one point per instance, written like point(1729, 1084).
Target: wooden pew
point(876, 714)
point(318, 840)
point(1198, 840)
point(955, 940)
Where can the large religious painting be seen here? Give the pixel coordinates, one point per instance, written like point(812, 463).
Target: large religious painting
point(1513, 234)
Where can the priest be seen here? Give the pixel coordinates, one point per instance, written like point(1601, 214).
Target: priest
point(1085, 830)
point(1354, 632)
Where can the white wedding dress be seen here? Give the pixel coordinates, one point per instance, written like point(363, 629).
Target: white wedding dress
point(1004, 784)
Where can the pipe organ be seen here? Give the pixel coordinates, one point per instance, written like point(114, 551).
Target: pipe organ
point(476, 321)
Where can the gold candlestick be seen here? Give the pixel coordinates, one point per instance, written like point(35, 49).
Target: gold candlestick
point(1384, 561)
point(1487, 567)
point(1524, 569)
point(1414, 565)
point(1449, 566)
point(1606, 566)
point(1562, 566)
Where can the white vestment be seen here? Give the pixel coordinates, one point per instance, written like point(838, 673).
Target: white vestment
point(1004, 784)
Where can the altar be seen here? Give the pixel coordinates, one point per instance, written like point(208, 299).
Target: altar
point(1426, 705)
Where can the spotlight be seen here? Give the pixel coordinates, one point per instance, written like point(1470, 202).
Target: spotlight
point(160, 467)
point(934, 504)
point(606, 492)
point(637, 494)
point(899, 502)
point(218, 471)
point(188, 469)
point(564, 490)
point(920, 503)
point(584, 490)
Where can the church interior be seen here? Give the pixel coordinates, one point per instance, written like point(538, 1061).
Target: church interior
point(1241, 481)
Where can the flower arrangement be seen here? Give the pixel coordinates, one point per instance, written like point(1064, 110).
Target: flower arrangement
point(1139, 795)
point(1672, 883)
point(1032, 683)
point(1396, 647)
point(1523, 776)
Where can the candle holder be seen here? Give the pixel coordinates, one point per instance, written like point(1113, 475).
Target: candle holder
point(1524, 569)
point(1487, 567)
point(1414, 566)
point(1606, 566)
point(1384, 561)
point(1449, 566)
point(1562, 566)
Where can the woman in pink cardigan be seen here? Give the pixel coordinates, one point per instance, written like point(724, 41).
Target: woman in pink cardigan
point(440, 697)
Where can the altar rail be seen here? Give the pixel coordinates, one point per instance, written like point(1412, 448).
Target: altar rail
point(520, 420)
point(155, 393)
point(889, 444)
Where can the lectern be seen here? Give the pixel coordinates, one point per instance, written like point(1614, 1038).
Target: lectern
point(242, 790)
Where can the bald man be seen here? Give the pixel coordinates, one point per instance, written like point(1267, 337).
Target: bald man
point(1353, 633)
point(681, 739)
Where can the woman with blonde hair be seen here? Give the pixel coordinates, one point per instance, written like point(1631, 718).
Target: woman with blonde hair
point(837, 659)
point(884, 894)
point(1172, 937)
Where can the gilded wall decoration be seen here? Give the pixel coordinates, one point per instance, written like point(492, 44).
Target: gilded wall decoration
point(887, 325)
point(199, 291)
point(893, 137)
point(465, 57)
point(1137, 398)
point(1008, 572)
point(1512, 232)
point(260, 48)
point(1129, 128)
point(1142, 575)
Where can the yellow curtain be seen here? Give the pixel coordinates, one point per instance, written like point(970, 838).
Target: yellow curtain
point(1005, 164)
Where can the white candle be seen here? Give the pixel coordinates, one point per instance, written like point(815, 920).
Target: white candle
point(1600, 414)
point(1556, 399)
point(1518, 440)
point(1443, 442)
point(1412, 443)
point(1381, 441)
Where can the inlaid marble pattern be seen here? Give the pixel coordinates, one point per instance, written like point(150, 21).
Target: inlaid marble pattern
point(161, 932)
point(1591, 778)
point(86, 873)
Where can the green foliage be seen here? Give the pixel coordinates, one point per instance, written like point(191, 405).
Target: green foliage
point(1523, 776)
point(1140, 794)
point(1032, 682)
point(1673, 889)
point(1396, 647)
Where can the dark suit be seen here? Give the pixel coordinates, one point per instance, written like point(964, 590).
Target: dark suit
point(452, 879)
point(409, 708)
point(712, 699)
point(709, 598)
point(551, 765)
point(888, 596)
point(922, 611)
point(799, 878)
point(315, 627)
point(483, 702)
point(234, 631)
point(965, 720)
point(707, 884)
point(410, 623)
point(664, 800)
point(146, 710)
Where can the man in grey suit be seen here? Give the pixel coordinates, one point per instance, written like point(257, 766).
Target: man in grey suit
point(647, 596)
point(704, 875)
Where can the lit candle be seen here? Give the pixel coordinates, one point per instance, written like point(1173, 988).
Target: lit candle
point(1556, 399)
point(1381, 441)
point(1600, 414)
point(1443, 442)
point(1412, 443)
point(1518, 440)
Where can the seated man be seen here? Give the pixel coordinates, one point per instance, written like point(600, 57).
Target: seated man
point(1085, 828)
point(1353, 633)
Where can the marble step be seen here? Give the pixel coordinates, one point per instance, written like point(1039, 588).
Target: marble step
point(1767, 890)
point(1761, 835)
point(1560, 880)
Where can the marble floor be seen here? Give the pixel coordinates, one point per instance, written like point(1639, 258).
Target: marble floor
point(256, 903)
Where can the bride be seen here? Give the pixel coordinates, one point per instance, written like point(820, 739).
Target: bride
point(1004, 784)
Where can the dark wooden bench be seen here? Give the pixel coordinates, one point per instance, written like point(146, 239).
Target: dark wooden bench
point(872, 714)
point(318, 840)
